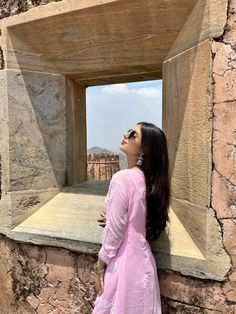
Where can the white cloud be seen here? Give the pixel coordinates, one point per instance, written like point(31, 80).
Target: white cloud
point(116, 89)
point(149, 92)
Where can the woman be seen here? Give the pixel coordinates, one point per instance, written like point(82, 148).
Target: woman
point(136, 209)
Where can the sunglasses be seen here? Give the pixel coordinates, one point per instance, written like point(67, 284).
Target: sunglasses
point(132, 134)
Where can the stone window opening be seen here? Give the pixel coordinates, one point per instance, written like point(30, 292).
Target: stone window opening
point(110, 110)
point(43, 85)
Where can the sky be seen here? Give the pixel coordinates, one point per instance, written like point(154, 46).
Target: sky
point(113, 109)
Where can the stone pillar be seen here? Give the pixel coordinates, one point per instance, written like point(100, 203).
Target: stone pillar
point(207, 112)
point(33, 140)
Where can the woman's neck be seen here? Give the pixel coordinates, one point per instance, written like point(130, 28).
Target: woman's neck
point(132, 160)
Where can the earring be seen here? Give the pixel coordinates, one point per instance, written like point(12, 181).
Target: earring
point(140, 159)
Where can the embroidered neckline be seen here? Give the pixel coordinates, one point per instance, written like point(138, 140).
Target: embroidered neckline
point(139, 170)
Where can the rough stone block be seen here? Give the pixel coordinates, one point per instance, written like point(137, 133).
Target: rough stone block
point(230, 35)
point(62, 271)
point(206, 20)
point(187, 122)
point(7, 297)
point(230, 291)
point(214, 262)
point(224, 138)
point(191, 291)
point(229, 236)
point(44, 280)
point(71, 43)
point(223, 196)
point(224, 73)
point(37, 127)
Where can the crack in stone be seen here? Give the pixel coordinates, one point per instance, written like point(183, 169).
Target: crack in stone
point(45, 262)
point(233, 144)
point(17, 129)
point(26, 280)
point(2, 61)
point(222, 75)
point(221, 228)
point(228, 183)
point(228, 218)
point(224, 102)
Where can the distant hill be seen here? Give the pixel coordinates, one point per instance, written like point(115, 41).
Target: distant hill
point(97, 149)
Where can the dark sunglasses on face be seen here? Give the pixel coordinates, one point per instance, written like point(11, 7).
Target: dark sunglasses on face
point(132, 134)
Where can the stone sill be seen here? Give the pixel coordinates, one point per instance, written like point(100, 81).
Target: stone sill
point(69, 220)
point(72, 215)
point(46, 240)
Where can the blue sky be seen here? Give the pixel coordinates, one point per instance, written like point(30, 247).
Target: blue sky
point(113, 109)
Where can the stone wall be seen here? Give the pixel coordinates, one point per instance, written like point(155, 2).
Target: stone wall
point(224, 142)
point(44, 280)
point(182, 294)
point(11, 7)
point(102, 166)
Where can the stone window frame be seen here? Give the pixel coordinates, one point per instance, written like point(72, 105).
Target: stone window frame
point(208, 23)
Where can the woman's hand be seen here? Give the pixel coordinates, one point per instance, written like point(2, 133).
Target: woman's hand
point(98, 272)
point(101, 284)
point(98, 281)
point(102, 221)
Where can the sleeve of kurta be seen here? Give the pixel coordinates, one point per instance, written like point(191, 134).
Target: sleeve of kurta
point(116, 217)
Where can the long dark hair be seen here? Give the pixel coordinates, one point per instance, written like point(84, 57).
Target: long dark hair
point(156, 171)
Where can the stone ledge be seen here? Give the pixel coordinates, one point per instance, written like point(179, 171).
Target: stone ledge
point(45, 240)
point(72, 224)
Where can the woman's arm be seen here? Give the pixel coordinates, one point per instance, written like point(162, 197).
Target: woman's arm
point(117, 218)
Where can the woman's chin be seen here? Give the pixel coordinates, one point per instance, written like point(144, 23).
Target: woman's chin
point(121, 148)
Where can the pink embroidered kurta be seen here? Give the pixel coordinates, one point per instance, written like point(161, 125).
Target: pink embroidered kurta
point(131, 283)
